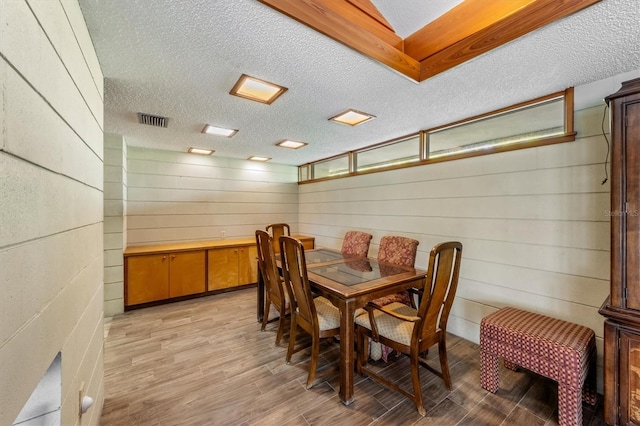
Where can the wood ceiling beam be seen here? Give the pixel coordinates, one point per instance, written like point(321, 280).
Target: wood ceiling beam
point(531, 16)
point(466, 19)
point(369, 8)
point(470, 29)
point(322, 16)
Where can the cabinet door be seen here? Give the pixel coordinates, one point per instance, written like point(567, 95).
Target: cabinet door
point(186, 273)
point(248, 265)
point(223, 268)
point(308, 243)
point(629, 378)
point(632, 207)
point(147, 278)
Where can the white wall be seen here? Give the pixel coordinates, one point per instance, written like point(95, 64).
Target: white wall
point(533, 222)
point(115, 225)
point(51, 261)
point(175, 196)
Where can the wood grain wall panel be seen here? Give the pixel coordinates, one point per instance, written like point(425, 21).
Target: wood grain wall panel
point(24, 40)
point(55, 23)
point(62, 204)
point(533, 223)
point(174, 196)
point(115, 193)
point(59, 149)
point(51, 241)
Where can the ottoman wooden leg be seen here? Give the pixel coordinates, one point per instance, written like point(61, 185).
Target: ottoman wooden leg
point(569, 405)
point(489, 372)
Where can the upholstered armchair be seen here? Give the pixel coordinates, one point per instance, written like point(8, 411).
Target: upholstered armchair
point(398, 251)
point(412, 331)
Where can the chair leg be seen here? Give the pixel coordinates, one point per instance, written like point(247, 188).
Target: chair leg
point(292, 338)
point(280, 328)
point(315, 352)
point(444, 362)
point(415, 378)
point(267, 307)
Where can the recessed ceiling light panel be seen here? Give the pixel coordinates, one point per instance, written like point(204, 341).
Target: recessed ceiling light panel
point(258, 158)
point(257, 90)
point(200, 151)
point(291, 144)
point(351, 117)
point(218, 131)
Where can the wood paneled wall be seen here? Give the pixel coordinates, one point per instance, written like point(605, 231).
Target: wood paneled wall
point(533, 223)
point(175, 196)
point(115, 222)
point(51, 219)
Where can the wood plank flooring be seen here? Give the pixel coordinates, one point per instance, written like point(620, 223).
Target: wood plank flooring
point(206, 362)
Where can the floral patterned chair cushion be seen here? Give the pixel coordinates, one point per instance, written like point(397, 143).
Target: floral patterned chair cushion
point(356, 244)
point(398, 250)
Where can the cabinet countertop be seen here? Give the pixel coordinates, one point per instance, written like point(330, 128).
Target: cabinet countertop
point(194, 245)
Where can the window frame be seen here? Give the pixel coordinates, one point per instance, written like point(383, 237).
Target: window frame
point(568, 136)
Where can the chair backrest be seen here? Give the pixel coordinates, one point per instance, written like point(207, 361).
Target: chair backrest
point(398, 250)
point(356, 243)
point(439, 289)
point(294, 271)
point(277, 230)
point(268, 267)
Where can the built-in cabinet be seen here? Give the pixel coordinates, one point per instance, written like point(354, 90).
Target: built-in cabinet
point(232, 267)
point(622, 307)
point(163, 272)
point(161, 276)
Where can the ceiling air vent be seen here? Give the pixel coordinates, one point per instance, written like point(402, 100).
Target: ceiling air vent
point(152, 120)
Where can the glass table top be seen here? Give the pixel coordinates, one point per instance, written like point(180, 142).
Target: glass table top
point(321, 255)
point(355, 271)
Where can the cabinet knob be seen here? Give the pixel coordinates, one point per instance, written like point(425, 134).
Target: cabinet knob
point(164, 258)
point(173, 256)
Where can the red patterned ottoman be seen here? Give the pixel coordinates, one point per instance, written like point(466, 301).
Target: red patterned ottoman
point(557, 349)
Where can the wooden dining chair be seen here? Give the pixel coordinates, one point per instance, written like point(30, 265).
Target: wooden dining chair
point(398, 251)
point(275, 293)
point(356, 244)
point(277, 230)
point(413, 331)
point(318, 316)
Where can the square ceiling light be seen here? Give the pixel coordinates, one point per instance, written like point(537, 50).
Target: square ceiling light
point(258, 158)
point(351, 117)
point(200, 151)
point(219, 131)
point(291, 144)
point(257, 90)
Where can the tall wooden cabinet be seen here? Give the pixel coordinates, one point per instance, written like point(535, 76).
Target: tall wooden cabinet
point(622, 307)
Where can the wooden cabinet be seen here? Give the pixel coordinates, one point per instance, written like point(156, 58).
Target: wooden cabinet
point(622, 307)
point(232, 267)
point(157, 273)
point(155, 277)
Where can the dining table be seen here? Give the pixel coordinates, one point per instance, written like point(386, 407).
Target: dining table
point(350, 283)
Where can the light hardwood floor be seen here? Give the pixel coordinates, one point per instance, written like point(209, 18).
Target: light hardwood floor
point(206, 362)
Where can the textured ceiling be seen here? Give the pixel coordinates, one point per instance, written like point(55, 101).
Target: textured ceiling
point(408, 16)
point(179, 59)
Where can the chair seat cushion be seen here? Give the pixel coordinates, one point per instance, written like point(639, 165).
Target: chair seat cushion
point(388, 326)
point(328, 315)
